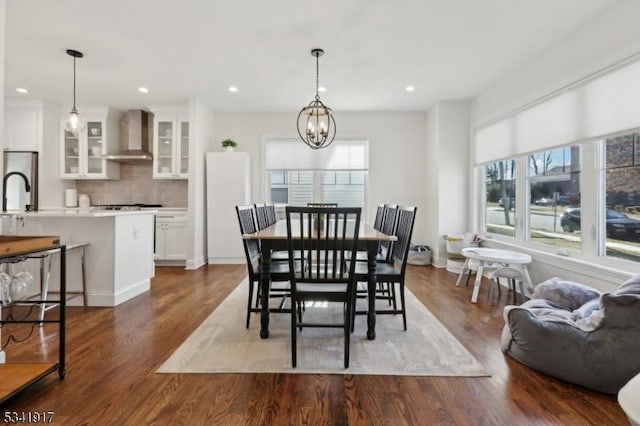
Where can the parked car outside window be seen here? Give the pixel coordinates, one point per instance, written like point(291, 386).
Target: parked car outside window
point(618, 225)
point(544, 202)
point(562, 200)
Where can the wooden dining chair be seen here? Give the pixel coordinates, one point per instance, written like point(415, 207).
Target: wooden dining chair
point(262, 215)
point(322, 274)
point(279, 270)
point(377, 222)
point(271, 214)
point(393, 271)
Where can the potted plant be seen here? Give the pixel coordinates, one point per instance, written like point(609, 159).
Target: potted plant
point(229, 145)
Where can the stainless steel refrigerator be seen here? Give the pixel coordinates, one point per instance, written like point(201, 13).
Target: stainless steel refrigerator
point(20, 181)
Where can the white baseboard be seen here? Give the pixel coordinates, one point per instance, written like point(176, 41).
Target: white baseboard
point(195, 263)
point(114, 299)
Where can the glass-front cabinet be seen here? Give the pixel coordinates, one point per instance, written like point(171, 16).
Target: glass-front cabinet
point(170, 146)
point(82, 154)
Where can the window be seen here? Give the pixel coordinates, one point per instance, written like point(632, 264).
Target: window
point(344, 187)
point(297, 175)
point(500, 204)
point(293, 187)
point(621, 218)
point(554, 189)
point(583, 196)
point(299, 187)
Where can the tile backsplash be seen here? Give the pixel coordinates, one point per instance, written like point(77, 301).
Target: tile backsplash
point(136, 184)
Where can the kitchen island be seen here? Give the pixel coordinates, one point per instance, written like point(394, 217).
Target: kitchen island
point(119, 255)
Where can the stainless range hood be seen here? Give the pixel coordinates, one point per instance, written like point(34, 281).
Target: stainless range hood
point(137, 151)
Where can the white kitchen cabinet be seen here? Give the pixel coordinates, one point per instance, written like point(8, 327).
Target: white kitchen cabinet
point(81, 156)
point(22, 129)
point(170, 145)
point(228, 185)
point(171, 237)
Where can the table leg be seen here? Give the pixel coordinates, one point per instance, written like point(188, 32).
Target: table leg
point(265, 281)
point(476, 285)
point(372, 251)
point(463, 271)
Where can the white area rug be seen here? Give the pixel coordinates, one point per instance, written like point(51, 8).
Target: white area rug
point(222, 344)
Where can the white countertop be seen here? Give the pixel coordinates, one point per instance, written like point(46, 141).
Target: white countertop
point(82, 212)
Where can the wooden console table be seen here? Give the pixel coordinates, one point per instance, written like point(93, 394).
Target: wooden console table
point(18, 376)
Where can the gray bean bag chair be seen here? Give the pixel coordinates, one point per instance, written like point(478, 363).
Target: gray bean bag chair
point(577, 334)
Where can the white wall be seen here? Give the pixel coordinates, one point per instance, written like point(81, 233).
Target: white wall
point(447, 180)
point(603, 43)
point(605, 40)
point(51, 193)
point(201, 137)
point(397, 150)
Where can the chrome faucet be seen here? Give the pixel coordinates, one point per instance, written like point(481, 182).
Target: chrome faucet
point(27, 188)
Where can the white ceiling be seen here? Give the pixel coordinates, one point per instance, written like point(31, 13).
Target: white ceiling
point(447, 49)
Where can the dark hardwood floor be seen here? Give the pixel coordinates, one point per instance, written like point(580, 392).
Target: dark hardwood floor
point(113, 353)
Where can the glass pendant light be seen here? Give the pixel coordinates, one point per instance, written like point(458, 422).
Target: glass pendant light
point(74, 122)
point(316, 125)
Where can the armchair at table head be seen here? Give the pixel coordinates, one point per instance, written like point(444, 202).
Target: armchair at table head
point(577, 334)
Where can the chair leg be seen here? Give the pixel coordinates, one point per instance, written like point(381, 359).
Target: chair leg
point(492, 286)
point(249, 302)
point(404, 310)
point(354, 301)
point(294, 332)
point(392, 288)
point(347, 333)
point(522, 295)
point(258, 296)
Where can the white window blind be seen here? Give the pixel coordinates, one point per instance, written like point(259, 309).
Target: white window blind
point(293, 154)
point(606, 104)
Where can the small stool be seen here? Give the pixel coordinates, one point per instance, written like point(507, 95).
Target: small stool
point(513, 274)
point(44, 277)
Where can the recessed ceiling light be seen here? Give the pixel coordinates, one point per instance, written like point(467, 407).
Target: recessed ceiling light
point(143, 89)
point(409, 88)
point(233, 89)
point(322, 89)
point(21, 90)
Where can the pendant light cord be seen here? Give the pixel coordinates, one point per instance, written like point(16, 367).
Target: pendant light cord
point(317, 77)
point(74, 82)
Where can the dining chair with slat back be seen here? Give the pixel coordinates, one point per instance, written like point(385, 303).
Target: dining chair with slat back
point(279, 270)
point(271, 214)
point(388, 227)
point(262, 218)
point(393, 272)
point(377, 223)
point(323, 273)
point(266, 216)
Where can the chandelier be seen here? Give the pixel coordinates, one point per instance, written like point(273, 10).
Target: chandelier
point(74, 122)
point(316, 125)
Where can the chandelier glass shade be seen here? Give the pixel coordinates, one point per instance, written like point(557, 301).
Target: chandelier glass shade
point(316, 125)
point(73, 122)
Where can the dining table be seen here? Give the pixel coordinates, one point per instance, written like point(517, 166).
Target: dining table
point(274, 238)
